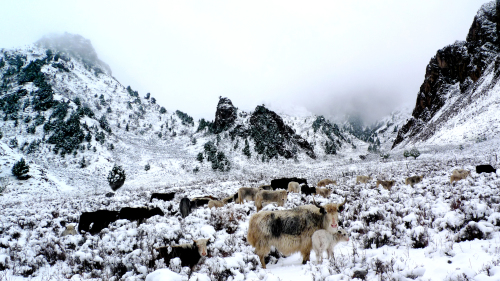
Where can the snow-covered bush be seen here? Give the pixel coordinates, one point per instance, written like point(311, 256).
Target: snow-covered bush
point(116, 177)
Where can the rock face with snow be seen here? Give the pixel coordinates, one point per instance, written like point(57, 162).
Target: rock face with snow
point(458, 70)
point(225, 115)
point(273, 137)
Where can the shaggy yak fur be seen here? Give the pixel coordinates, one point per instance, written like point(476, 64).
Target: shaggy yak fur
point(459, 175)
point(139, 214)
point(326, 182)
point(189, 254)
point(293, 186)
point(186, 206)
point(290, 231)
point(413, 180)
point(307, 190)
point(325, 192)
point(266, 187)
point(363, 179)
point(215, 203)
point(283, 183)
point(100, 219)
point(323, 240)
point(246, 193)
point(386, 184)
point(278, 196)
point(70, 230)
point(485, 169)
point(162, 196)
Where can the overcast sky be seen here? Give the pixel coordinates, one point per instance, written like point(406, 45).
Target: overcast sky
point(324, 57)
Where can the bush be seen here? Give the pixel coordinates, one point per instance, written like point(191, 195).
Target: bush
point(116, 177)
point(406, 154)
point(13, 143)
point(21, 169)
point(200, 157)
point(414, 153)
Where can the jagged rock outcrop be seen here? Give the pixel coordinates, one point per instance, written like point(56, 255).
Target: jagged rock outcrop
point(225, 115)
point(454, 70)
point(273, 137)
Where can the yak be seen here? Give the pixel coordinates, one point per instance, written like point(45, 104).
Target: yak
point(283, 183)
point(290, 231)
point(99, 219)
point(162, 196)
point(485, 169)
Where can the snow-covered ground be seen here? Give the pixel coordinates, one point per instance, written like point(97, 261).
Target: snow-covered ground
point(433, 231)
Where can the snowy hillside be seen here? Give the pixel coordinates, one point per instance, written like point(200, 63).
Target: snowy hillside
point(458, 100)
point(427, 232)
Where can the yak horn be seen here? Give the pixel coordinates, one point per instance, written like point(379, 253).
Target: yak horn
point(321, 209)
point(316, 204)
point(345, 200)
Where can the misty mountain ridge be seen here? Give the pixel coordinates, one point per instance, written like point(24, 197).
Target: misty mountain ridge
point(59, 100)
point(458, 100)
point(64, 112)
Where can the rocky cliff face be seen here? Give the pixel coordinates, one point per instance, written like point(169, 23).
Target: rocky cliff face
point(225, 115)
point(273, 137)
point(454, 70)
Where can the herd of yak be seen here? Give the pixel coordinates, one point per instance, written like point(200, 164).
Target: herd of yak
point(301, 229)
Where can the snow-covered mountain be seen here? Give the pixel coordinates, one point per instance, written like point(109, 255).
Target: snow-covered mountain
point(70, 118)
point(458, 101)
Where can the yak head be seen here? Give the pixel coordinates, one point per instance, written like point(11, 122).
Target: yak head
point(331, 214)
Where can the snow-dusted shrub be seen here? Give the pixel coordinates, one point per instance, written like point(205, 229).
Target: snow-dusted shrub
point(377, 238)
point(494, 219)
point(474, 230)
point(227, 218)
point(452, 220)
point(419, 237)
point(372, 215)
point(383, 268)
point(116, 177)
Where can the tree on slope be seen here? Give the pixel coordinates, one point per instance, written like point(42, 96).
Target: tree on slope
point(116, 177)
point(21, 169)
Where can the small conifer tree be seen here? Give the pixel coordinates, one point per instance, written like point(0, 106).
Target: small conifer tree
point(21, 169)
point(246, 149)
point(116, 177)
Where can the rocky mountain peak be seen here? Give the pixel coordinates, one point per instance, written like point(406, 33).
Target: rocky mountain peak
point(454, 70)
point(74, 45)
point(225, 115)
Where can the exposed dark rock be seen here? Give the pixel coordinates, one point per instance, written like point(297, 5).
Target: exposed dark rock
point(225, 115)
point(272, 137)
point(455, 68)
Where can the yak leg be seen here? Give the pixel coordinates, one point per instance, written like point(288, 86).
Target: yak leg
point(306, 251)
point(262, 253)
point(330, 252)
point(319, 256)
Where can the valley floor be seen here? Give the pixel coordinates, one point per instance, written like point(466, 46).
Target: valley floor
point(432, 231)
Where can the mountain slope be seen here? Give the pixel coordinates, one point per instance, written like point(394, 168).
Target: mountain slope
point(460, 80)
point(65, 113)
